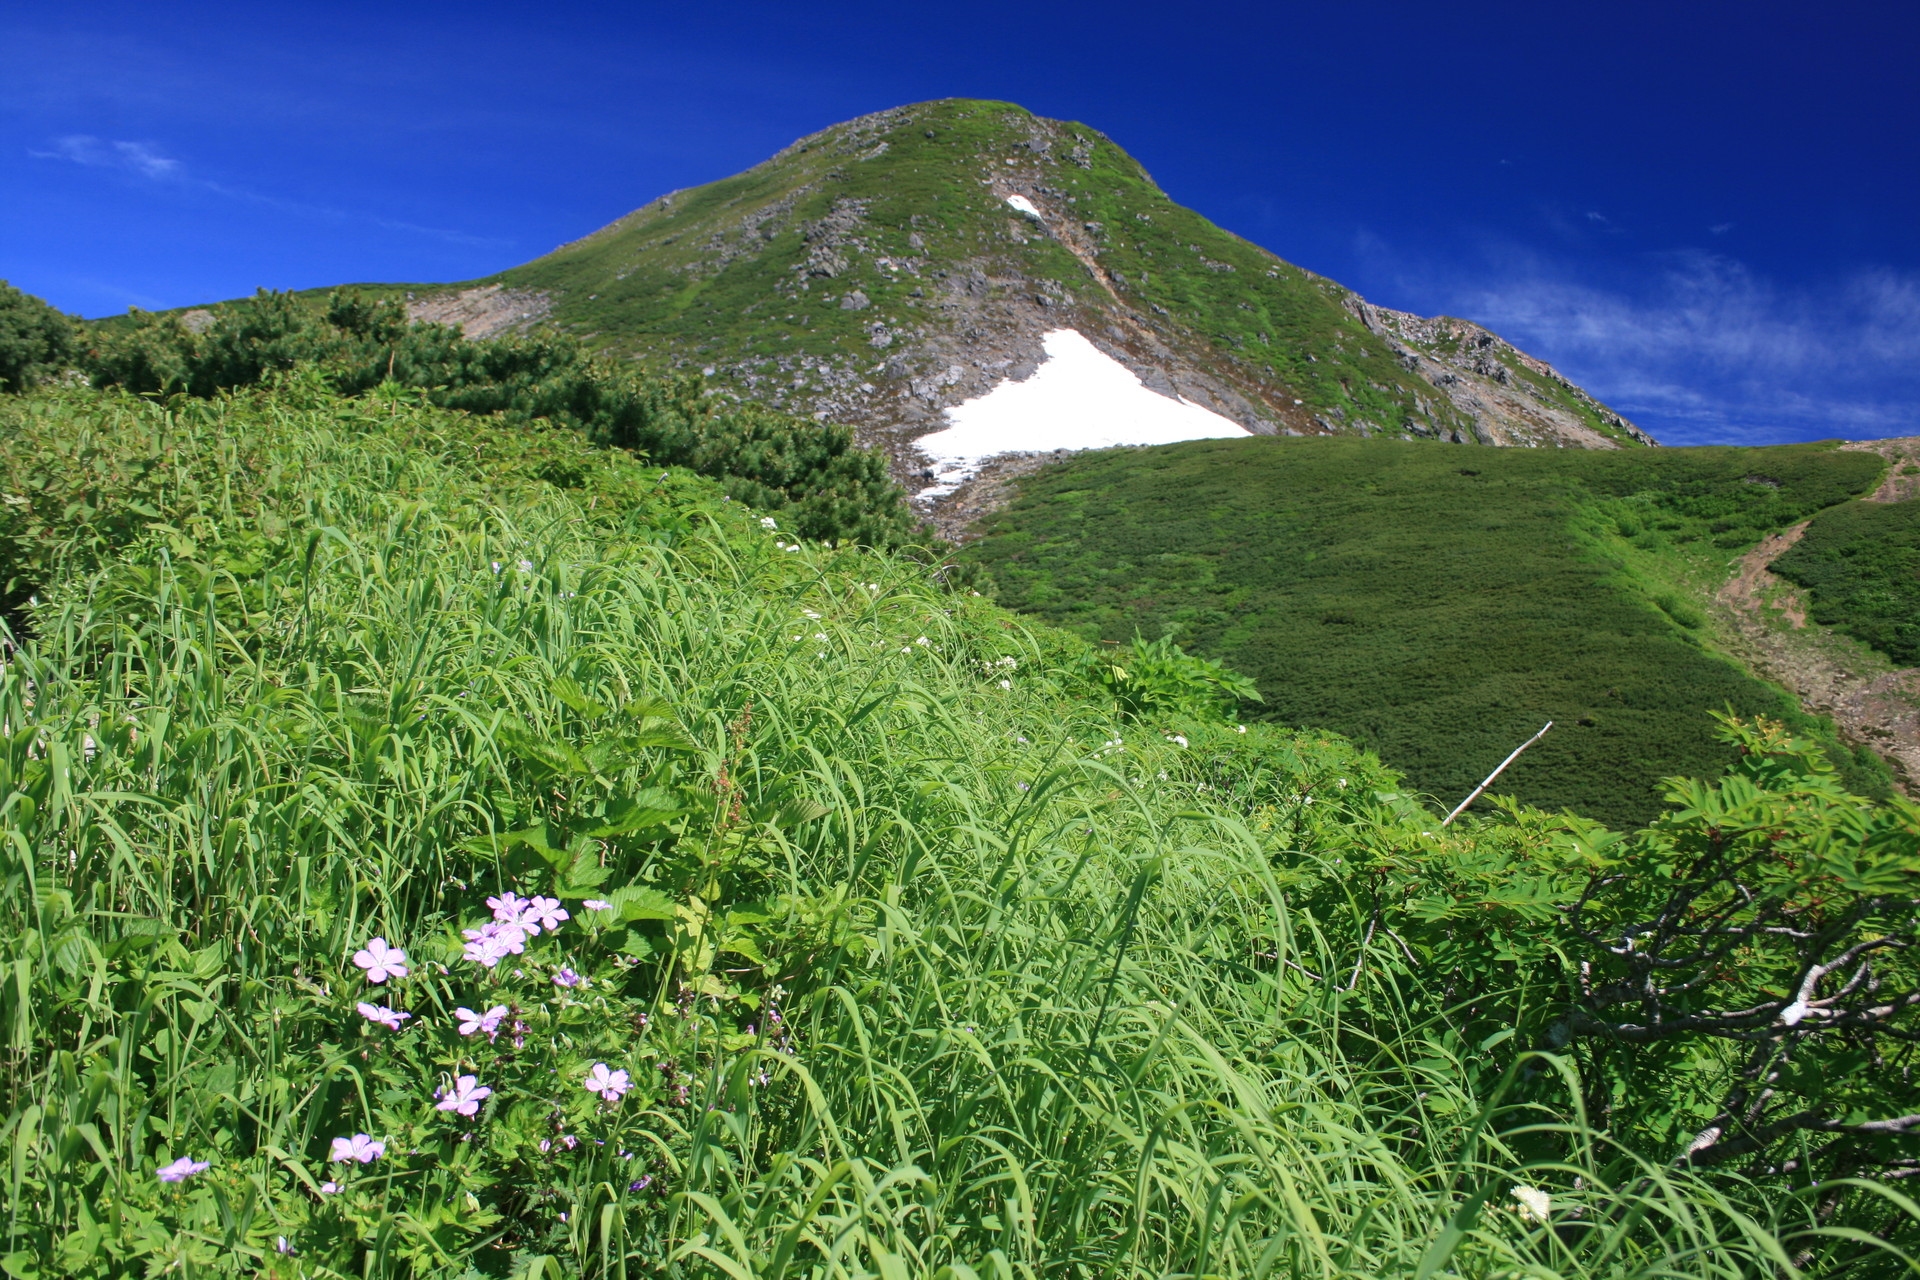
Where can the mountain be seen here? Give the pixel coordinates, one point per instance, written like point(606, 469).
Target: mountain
point(890, 268)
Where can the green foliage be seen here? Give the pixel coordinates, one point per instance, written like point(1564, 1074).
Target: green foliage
point(810, 472)
point(916, 963)
point(1435, 604)
point(1158, 677)
point(1860, 564)
point(35, 339)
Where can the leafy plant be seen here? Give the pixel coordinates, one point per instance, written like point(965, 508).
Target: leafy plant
point(35, 339)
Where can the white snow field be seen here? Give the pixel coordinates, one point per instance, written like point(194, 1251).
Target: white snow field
point(1079, 398)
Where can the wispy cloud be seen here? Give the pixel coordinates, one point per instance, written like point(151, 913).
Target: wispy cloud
point(1702, 349)
point(101, 153)
point(143, 161)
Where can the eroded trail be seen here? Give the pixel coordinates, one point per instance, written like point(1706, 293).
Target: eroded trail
point(1872, 707)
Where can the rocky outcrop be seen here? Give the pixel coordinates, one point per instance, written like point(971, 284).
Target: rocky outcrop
point(485, 312)
point(1511, 398)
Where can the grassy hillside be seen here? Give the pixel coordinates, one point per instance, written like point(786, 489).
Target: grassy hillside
point(891, 945)
point(1861, 565)
point(1434, 605)
point(873, 243)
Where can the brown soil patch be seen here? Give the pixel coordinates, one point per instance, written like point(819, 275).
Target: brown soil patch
point(1870, 705)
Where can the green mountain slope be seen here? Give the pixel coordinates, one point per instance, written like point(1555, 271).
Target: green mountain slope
point(436, 847)
point(875, 273)
point(1436, 606)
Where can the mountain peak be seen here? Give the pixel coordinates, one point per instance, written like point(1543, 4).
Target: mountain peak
point(885, 270)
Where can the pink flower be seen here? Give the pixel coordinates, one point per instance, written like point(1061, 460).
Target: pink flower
point(493, 942)
point(388, 1018)
point(597, 904)
point(359, 1147)
point(488, 1022)
point(381, 961)
point(544, 913)
point(607, 1083)
point(329, 1187)
point(464, 1097)
point(180, 1170)
point(568, 978)
point(508, 907)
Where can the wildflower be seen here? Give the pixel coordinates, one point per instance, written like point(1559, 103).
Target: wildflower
point(1239, 728)
point(568, 978)
point(359, 1147)
point(493, 942)
point(496, 566)
point(381, 961)
point(1021, 785)
point(329, 1187)
point(1177, 737)
point(546, 1144)
point(526, 566)
point(1006, 684)
point(597, 904)
point(1343, 783)
point(607, 1083)
point(282, 1245)
point(923, 641)
point(1535, 1204)
point(810, 613)
point(488, 1022)
point(640, 1184)
point(465, 1096)
point(508, 907)
point(544, 913)
point(766, 522)
point(388, 1018)
point(180, 1170)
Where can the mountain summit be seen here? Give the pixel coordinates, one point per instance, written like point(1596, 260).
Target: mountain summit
point(894, 268)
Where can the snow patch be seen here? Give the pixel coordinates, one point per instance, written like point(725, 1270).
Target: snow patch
point(1024, 205)
point(1079, 398)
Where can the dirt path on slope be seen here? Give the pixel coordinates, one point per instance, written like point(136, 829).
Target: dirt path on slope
point(1833, 676)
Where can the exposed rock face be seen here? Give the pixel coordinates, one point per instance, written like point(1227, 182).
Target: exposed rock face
point(485, 312)
point(1475, 369)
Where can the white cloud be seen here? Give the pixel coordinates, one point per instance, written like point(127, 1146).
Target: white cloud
point(101, 153)
point(1702, 349)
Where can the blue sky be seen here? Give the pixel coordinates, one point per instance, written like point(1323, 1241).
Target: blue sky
point(1707, 213)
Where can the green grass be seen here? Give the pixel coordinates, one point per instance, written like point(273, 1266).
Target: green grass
point(915, 972)
point(1860, 564)
point(1437, 605)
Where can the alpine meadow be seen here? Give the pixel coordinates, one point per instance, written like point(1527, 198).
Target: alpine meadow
point(542, 800)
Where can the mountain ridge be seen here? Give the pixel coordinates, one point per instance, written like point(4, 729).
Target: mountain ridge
point(885, 269)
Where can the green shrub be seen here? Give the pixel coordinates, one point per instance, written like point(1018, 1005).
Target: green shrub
point(35, 340)
point(810, 472)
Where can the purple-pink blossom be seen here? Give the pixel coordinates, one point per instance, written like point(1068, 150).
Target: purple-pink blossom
point(508, 907)
point(180, 1170)
point(544, 913)
point(597, 904)
point(359, 1147)
point(493, 942)
point(381, 961)
point(488, 1022)
point(465, 1096)
point(609, 1084)
point(388, 1018)
point(568, 978)
point(329, 1187)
